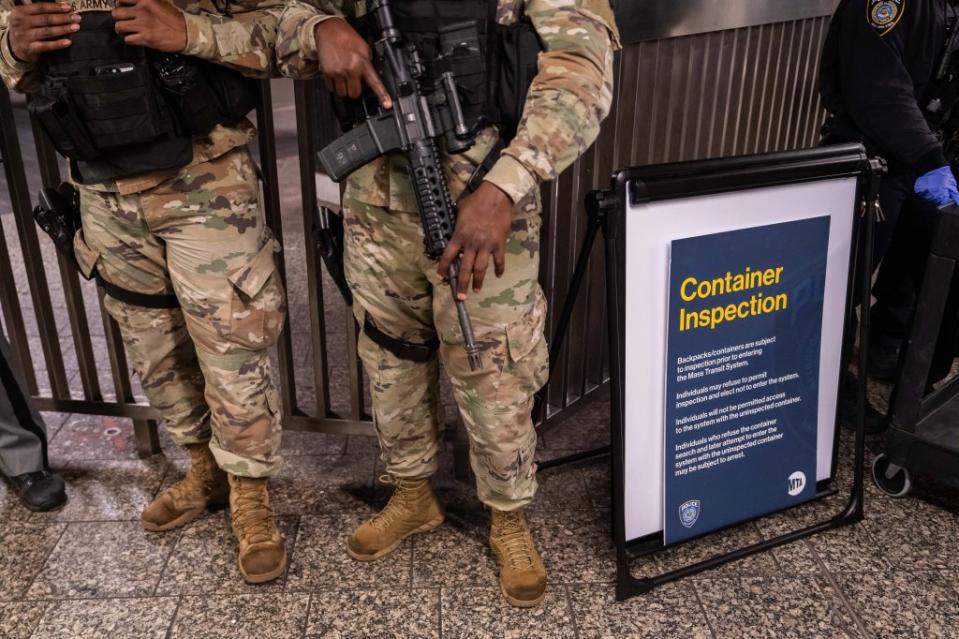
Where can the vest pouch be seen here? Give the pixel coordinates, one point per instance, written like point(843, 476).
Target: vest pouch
point(188, 92)
point(118, 104)
point(205, 94)
point(58, 119)
point(235, 93)
point(518, 64)
point(463, 53)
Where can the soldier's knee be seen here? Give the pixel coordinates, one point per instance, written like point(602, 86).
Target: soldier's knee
point(515, 364)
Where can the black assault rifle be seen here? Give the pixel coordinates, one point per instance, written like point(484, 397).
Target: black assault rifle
point(420, 115)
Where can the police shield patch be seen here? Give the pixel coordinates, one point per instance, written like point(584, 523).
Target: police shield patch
point(689, 513)
point(884, 15)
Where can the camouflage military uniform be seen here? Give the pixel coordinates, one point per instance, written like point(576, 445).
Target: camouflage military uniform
point(197, 232)
point(393, 283)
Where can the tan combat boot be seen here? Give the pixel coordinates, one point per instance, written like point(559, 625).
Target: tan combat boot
point(412, 509)
point(262, 550)
point(522, 576)
point(203, 487)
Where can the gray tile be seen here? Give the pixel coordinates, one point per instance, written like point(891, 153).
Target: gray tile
point(849, 549)
point(905, 604)
point(18, 619)
point(598, 486)
point(53, 421)
point(362, 444)
point(472, 612)
point(671, 611)
point(576, 546)
point(324, 485)
point(796, 558)
point(716, 544)
point(307, 443)
point(561, 489)
point(918, 537)
point(365, 614)
point(812, 512)
point(586, 429)
point(107, 490)
point(94, 437)
point(267, 616)
point(114, 618)
point(10, 508)
point(103, 559)
point(455, 554)
point(25, 548)
point(774, 607)
point(320, 560)
point(204, 559)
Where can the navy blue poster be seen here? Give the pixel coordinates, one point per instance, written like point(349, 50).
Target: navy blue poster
point(742, 387)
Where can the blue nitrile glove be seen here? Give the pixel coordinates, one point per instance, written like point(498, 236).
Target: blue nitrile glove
point(938, 186)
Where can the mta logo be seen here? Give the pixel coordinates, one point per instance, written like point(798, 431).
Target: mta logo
point(689, 513)
point(796, 483)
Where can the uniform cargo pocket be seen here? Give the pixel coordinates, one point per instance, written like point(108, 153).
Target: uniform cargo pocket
point(258, 305)
point(528, 352)
point(119, 109)
point(87, 257)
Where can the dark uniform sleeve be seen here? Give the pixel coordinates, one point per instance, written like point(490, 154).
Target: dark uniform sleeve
point(878, 92)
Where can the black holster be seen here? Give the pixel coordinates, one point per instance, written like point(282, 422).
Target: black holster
point(328, 233)
point(58, 214)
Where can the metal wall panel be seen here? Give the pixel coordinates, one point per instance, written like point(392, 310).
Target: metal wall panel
point(733, 92)
point(642, 20)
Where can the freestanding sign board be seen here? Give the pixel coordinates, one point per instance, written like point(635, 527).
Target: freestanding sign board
point(742, 368)
point(761, 227)
point(730, 293)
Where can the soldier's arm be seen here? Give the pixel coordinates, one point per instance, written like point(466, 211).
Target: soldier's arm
point(296, 41)
point(570, 95)
point(17, 75)
point(244, 40)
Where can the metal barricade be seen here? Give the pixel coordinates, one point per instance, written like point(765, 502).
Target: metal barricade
point(723, 93)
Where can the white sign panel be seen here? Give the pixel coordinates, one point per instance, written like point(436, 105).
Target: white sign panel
point(650, 230)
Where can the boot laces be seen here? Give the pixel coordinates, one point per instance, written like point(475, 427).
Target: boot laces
point(513, 539)
point(399, 505)
point(199, 477)
point(252, 516)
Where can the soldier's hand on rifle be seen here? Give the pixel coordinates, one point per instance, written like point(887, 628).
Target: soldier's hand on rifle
point(483, 222)
point(39, 27)
point(156, 24)
point(346, 61)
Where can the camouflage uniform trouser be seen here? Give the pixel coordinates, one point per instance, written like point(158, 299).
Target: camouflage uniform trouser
point(397, 287)
point(205, 367)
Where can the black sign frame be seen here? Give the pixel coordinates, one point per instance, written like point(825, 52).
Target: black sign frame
point(606, 211)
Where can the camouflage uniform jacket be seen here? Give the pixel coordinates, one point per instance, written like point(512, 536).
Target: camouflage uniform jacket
point(569, 98)
point(242, 40)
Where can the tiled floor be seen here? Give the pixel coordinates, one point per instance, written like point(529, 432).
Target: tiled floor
point(89, 571)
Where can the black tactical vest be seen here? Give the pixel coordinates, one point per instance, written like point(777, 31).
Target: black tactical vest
point(493, 65)
point(103, 110)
